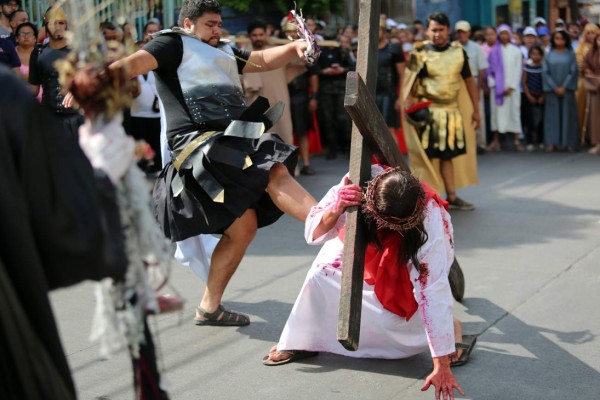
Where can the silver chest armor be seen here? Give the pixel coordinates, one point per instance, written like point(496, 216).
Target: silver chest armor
point(210, 82)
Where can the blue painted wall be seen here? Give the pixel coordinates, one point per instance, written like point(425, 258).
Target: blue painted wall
point(477, 12)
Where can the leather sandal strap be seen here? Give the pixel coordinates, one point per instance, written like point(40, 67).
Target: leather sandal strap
point(221, 314)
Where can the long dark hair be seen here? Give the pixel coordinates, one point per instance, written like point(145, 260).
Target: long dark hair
point(537, 48)
point(397, 195)
point(27, 24)
point(565, 37)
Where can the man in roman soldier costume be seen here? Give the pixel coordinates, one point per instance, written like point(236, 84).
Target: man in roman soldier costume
point(442, 145)
point(227, 176)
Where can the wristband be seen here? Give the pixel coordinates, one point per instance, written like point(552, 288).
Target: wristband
point(313, 96)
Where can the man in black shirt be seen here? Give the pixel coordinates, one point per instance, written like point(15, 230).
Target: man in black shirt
point(226, 175)
point(42, 71)
point(390, 68)
point(7, 7)
point(334, 121)
point(8, 55)
point(15, 19)
point(303, 87)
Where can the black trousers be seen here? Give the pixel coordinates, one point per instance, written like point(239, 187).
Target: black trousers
point(146, 378)
point(334, 122)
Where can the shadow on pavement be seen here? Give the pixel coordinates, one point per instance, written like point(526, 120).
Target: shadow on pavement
point(273, 313)
point(529, 221)
point(514, 360)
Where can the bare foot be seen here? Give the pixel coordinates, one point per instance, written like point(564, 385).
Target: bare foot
point(458, 339)
point(456, 355)
point(279, 355)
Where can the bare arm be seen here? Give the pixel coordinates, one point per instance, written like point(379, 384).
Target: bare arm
point(328, 221)
point(35, 89)
point(472, 89)
point(400, 67)
point(524, 85)
point(474, 94)
point(348, 195)
point(481, 79)
point(313, 81)
point(274, 57)
point(140, 62)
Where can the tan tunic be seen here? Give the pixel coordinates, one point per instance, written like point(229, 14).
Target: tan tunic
point(593, 98)
point(581, 93)
point(273, 86)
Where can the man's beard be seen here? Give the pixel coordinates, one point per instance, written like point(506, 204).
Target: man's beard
point(259, 44)
point(208, 42)
point(58, 35)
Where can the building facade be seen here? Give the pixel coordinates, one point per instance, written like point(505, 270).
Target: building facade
point(477, 12)
point(512, 12)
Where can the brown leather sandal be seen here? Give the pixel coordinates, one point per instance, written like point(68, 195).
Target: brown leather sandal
point(221, 317)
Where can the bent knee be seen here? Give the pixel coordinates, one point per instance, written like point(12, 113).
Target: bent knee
point(278, 172)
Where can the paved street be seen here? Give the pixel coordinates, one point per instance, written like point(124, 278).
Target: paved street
point(530, 254)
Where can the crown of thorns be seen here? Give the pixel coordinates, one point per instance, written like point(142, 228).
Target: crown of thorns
point(385, 221)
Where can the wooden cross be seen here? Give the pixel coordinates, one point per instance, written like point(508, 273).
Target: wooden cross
point(368, 128)
point(370, 134)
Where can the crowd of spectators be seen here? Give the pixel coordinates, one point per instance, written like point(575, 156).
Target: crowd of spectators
point(548, 102)
point(549, 80)
point(549, 96)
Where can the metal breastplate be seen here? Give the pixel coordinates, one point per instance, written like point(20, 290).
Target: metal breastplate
point(210, 83)
point(444, 75)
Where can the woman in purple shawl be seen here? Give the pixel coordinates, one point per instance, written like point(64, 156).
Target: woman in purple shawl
point(504, 77)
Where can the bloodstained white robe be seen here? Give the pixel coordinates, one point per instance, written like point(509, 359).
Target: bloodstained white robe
point(312, 324)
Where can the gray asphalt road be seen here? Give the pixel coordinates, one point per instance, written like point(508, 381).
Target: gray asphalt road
point(530, 253)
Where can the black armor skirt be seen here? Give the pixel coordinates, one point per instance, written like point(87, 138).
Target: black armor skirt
point(218, 182)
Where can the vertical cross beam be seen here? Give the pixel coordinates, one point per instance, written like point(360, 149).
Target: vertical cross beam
point(360, 171)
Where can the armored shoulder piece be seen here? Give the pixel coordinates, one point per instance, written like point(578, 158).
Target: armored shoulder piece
point(418, 56)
